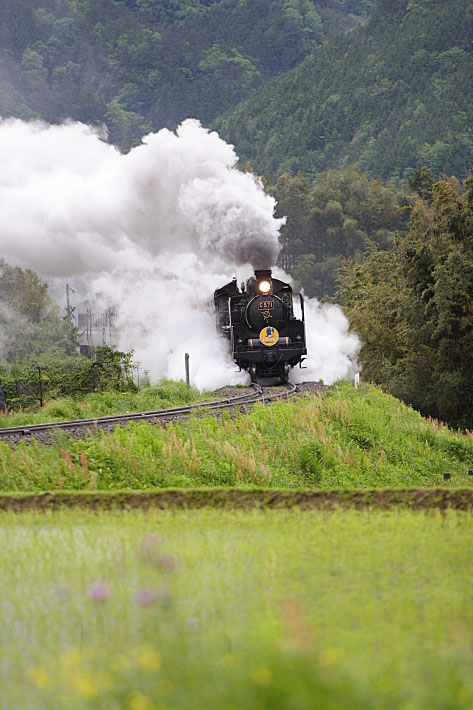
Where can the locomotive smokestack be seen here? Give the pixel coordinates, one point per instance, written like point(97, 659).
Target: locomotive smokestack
point(262, 274)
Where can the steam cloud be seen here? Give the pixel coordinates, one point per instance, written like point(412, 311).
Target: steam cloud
point(154, 231)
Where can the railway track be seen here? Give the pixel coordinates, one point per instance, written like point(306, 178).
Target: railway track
point(81, 427)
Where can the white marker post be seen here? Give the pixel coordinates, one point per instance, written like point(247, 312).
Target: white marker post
point(357, 380)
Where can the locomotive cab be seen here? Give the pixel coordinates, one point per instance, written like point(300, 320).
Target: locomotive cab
point(265, 336)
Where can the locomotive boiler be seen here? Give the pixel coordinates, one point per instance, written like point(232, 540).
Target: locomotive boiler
point(265, 336)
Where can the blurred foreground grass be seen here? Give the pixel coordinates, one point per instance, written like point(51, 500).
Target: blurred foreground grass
point(199, 610)
point(346, 438)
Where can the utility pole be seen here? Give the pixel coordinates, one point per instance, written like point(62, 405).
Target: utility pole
point(69, 309)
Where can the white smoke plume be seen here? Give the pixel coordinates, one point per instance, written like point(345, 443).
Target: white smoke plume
point(332, 349)
point(154, 232)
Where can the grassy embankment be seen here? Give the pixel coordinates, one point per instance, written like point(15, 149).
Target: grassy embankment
point(356, 439)
point(207, 609)
point(164, 395)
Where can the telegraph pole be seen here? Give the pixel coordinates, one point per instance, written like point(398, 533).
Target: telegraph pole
point(69, 309)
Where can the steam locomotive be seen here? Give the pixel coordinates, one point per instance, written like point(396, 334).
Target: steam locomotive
point(258, 319)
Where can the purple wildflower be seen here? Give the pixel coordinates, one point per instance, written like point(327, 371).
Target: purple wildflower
point(99, 592)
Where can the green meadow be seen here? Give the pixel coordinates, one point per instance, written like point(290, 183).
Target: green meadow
point(208, 609)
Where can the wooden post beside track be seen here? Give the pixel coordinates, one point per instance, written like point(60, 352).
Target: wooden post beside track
point(40, 387)
point(3, 401)
point(188, 379)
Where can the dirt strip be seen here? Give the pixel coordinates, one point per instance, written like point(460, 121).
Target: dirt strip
point(239, 499)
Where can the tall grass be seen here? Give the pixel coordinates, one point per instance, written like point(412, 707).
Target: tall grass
point(270, 611)
point(346, 438)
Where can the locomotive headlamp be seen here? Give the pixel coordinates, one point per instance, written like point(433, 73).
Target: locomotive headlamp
point(264, 286)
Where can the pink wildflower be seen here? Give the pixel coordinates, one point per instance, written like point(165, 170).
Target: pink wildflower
point(99, 592)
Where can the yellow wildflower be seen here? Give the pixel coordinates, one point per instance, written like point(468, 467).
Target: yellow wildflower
point(40, 677)
point(261, 676)
point(85, 685)
point(147, 659)
point(331, 656)
point(140, 701)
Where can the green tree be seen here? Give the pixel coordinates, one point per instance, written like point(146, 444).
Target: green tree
point(23, 290)
point(35, 79)
point(30, 323)
point(124, 126)
point(413, 307)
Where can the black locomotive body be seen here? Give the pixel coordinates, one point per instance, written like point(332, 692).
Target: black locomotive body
point(265, 336)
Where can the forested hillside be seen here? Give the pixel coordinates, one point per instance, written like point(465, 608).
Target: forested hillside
point(139, 65)
point(287, 81)
point(337, 216)
point(389, 96)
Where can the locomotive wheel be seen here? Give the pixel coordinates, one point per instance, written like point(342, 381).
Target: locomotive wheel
point(253, 373)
